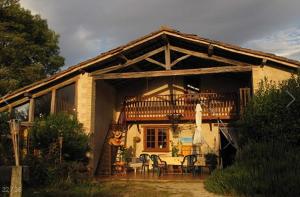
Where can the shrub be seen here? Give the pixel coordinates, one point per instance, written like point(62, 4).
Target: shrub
point(211, 160)
point(45, 168)
point(268, 116)
point(45, 133)
point(6, 152)
point(268, 162)
point(261, 170)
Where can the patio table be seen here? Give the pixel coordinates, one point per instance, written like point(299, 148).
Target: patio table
point(172, 160)
point(135, 166)
point(176, 161)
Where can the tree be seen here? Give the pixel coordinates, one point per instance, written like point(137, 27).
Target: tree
point(29, 50)
point(45, 133)
point(6, 152)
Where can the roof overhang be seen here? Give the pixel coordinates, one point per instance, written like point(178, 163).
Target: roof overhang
point(159, 36)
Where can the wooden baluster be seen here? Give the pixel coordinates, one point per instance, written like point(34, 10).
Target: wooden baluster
point(151, 103)
point(139, 107)
point(157, 104)
point(143, 112)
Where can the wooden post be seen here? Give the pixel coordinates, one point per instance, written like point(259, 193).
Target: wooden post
point(14, 129)
point(16, 174)
point(16, 182)
point(31, 110)
point(53, 100)
point(244, 98)
point(220, 162)
point(167, 56)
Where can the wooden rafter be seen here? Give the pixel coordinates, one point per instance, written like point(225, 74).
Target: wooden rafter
point(123, 58)
point(179, 60)
point(155, 62)
point(263, 62)
point(205, 56)
point(168, 64)
point(129, 62)
point(167, 56)
point(210, 50)
point(199, 71)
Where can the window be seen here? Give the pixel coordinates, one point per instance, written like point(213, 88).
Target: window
point(42, 105)
point(65, 99)
point(21, 112)
point(156, 139)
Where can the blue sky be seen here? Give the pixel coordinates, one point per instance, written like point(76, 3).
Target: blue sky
point(90, 27)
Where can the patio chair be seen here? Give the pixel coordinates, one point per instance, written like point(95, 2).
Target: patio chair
point(145, 158)
point(158, 164)
point(188, 163)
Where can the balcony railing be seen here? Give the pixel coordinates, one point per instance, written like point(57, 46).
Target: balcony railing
point(163, 107)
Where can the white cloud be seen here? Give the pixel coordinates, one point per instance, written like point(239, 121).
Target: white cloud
point(283, 43)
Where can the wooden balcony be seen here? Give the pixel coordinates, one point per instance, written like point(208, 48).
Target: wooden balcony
point(181, 106)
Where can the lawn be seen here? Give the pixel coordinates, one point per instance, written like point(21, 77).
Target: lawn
point(123, 188)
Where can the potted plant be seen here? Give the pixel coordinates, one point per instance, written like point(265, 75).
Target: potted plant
point(211, 161)
point(126, 154)
point(175, 149)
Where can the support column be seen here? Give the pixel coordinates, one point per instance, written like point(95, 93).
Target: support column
point(31, 110)
point(167, 56)
point(53, 100)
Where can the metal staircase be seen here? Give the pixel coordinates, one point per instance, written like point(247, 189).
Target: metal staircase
point(228, 135)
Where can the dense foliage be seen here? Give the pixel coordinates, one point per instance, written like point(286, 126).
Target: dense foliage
point(45, 164)
point(268, 162)
point(27, 47)
point(270, 116)
point(45, 133)
point(6, 152)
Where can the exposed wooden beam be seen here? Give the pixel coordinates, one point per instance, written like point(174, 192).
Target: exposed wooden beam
point(199, 71)
point(205, 56)
point(263, 62)
point(238, 50)
point(179, 60)
point(210, 50)
point(123, 58)
point(128, 63)
point(155, 62)
point(167, 56)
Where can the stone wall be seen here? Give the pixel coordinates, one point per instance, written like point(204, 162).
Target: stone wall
point(86, 102)
point(271, 73)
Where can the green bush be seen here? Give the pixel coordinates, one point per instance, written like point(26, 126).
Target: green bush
point(211, 160)
point(6, 152)
point(268, 162)
point(268, 116)
point(261, 170)
point(45, 133)
point(46, 168)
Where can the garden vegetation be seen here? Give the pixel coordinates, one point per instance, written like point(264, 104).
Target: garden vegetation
point(51, 162)
point(268, 159)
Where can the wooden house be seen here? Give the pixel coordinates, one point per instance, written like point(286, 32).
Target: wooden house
point(149, 88)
